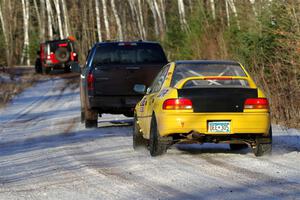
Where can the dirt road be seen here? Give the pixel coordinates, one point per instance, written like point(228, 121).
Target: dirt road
point(45, 153)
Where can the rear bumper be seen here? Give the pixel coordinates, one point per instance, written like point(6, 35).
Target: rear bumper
point(114, 104)
point(240, 123)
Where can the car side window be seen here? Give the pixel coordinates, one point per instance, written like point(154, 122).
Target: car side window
point(160, 78)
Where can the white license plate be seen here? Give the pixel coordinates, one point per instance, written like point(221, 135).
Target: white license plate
point(219, 127)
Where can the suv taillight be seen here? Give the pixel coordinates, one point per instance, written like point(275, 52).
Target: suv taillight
point(256, 103)
point(90, 81)
point(178, 104)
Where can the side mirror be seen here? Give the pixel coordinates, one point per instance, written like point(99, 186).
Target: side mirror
point(139, 88)
point(75, 67)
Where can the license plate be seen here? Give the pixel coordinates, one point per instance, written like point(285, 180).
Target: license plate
point(219, 127)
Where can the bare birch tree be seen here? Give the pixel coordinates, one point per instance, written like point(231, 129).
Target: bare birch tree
point(105, 17)
point(25, 8)
point(66, 18)
point(152, 8)
point(233, 8)
point(4, 29)
point(98, 21)
point(182, 14)
point(58, 13)
point(118, 21)
point(49, 17)
point(140, 15)
point(213, 9)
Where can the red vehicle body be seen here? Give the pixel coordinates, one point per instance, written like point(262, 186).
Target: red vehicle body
point(56, 54)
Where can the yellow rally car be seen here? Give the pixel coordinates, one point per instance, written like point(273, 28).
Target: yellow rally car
point(202, 101)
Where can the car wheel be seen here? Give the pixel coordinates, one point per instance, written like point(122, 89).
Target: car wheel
point(236, 147)
point(46, 70)
point(262, 147)
point(67, 69)
point(157, 145)
point(90, 118)
point(137, 137)
point(82, 117)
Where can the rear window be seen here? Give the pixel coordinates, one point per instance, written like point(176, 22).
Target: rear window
point(183, 71)
point(235, 83)
point(55, 45)
point(132, 53)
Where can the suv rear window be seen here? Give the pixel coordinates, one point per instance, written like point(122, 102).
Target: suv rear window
point(183, 71)
point(132, 53)
point(55, 45)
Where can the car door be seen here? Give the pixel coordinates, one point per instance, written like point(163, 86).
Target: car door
point(149, 99)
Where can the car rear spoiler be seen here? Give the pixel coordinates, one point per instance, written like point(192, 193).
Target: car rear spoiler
point(182, 82)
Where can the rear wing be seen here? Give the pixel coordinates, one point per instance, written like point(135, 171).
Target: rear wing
point(182, 82)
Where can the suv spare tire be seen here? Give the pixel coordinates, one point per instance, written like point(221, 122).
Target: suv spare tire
point(62, 54)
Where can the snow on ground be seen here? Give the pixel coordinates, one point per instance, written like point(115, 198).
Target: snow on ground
point(45, 153)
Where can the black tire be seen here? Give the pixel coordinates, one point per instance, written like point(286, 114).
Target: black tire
point(82, 117)
point(262, 147)
point(90, 123)
point(236, 147)
point(90, 118)
point(137, 137)
point(67, 69)
point(157, 145)
point(128, 114)
point(46, 70)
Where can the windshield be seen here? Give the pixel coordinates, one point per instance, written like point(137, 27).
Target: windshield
point(129, 54)
point(183, 71)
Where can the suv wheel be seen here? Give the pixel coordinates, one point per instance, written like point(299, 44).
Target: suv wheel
point(157, 145)
point(137, 138)
point(263, 145)
point(46, 70)
point(90, 118)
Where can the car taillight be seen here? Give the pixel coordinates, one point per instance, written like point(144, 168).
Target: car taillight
point(178, 104)
point(256, 103)
point(48, 57)
point(90, 81)
point(74, 54)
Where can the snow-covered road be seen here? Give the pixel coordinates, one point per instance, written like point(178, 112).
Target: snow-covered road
point(45, 153)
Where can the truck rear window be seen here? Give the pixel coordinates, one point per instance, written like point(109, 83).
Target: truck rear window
point(183, 71)
point(129, 54)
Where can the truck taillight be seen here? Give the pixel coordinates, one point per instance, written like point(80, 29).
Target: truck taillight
point(178, 104)
point(90, 81)
point(256, 103)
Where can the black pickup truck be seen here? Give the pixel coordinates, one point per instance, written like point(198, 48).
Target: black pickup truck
point(110, 73)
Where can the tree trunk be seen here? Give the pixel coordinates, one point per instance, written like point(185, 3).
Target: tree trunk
point(66, 18)
point(182, 14)
point(25, 8)
point(140, 14)
point(49, 16)
point(98, 21)
point(151, 5)
point(118, 21)
point(57, 8)
point(106, 22)
point(3, 26)
point(213, 9)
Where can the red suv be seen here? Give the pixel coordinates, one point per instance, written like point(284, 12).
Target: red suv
point(56, 54)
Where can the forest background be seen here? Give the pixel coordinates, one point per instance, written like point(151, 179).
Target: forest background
point(264, 35)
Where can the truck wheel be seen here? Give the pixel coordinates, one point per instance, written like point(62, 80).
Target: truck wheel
point(137, 137)
point(236, 147)
point(90, 118)
point(82, 117)
point(262, 147)
point(157, 145)
point(46, 70)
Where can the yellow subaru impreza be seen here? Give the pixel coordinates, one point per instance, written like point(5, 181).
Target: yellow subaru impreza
point(202, 101)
